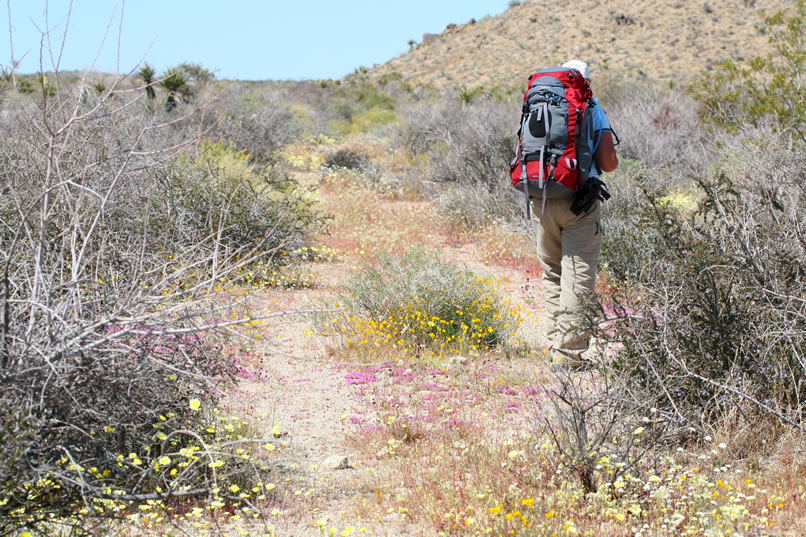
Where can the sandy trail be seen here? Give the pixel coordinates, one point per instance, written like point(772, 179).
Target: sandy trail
point(309, 397)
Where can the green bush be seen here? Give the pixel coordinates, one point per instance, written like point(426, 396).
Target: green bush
point(417, 305)
point(468, 95)
point(195, 72)
point(359, 105)
point(736, 95)
point(218, 194)
point(370, 97)
point(364, 122)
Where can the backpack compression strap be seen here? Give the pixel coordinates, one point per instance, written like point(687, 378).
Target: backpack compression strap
point(542, 114)
point(524, 175)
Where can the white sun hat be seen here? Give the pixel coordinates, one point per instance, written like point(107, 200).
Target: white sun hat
point(580, 66)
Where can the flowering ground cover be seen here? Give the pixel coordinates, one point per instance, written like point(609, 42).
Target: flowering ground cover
point(455, 441)
point(416, 420)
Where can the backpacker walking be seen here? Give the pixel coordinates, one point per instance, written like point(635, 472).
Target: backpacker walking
point(564, 144)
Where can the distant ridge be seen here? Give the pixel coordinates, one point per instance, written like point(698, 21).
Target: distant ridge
point(661, 40)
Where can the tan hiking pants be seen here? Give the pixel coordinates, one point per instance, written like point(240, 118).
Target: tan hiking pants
point(568, 248)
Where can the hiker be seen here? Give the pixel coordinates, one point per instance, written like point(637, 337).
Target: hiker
point(566, 215)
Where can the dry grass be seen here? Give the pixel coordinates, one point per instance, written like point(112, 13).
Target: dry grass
point(452, 446)
point(359, 212)
point(456, 449)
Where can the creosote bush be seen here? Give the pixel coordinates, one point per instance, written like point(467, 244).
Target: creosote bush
point(360, 107)
point(216, 192)
point(764, 91)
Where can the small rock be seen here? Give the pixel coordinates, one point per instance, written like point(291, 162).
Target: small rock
point(458, 360)
point(382, 453)
point(337, 462)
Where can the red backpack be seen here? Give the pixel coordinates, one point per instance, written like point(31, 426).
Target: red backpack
point(555, 140)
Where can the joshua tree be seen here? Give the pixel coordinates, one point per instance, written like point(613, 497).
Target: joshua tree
point(146, 74)
point(175, 83)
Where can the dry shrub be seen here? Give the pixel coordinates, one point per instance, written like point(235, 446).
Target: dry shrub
point(713, 313)
point(258, 119)
point(468, 147)
point(113, 233)
point(659, 128)
point(347, 158)
point(597, 417)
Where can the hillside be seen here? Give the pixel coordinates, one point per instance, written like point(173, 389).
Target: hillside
point(632, 38)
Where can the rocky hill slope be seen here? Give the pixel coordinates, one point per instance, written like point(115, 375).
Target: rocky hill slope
point(661, 40)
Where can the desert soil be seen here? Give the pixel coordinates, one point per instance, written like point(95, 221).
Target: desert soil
point(303, 384)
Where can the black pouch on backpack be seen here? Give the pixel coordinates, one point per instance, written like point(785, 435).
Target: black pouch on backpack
point(592, 190)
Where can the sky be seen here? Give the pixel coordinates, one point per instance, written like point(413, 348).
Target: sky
point(236, 39)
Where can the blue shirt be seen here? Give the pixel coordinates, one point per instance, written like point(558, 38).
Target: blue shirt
point(600, 125)
point(600, 121)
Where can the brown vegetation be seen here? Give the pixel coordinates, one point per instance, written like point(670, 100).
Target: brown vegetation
point(667, 40)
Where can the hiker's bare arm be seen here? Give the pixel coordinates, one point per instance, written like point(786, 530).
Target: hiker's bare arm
point(606, 153)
